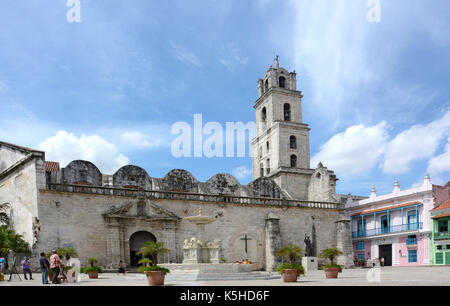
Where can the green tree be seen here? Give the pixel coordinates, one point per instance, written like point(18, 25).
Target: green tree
point(153, 249)
point(331, 254)
point(11, 241)
point(292, 251)
point(67, 251)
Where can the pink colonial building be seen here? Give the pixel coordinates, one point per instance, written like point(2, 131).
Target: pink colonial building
point(395, 226)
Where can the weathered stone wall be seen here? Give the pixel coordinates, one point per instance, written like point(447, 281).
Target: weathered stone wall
point(81, 172)
point(132, 177)
point(20, 189)
point(322, 186)
point(71, 219)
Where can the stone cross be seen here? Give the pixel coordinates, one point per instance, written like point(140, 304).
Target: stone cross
point(246, 239)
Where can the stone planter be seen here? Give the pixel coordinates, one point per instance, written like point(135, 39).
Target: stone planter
point(290, 276)
point(93, 274)
point(331, 272)
point(155, 278)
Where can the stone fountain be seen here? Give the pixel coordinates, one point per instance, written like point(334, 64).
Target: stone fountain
point(198, 250)
point(201, 259)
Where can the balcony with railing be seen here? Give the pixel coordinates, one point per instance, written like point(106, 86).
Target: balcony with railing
point(442, 235)
point(388, 230)
point(411, 241)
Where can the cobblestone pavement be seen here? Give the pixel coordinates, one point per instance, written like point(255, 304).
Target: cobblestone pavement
point(388, 276)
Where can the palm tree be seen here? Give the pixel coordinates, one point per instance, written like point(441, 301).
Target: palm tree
point(153, 249)
point(293, 252)
point(331, 254)
point(67, 252)
point(11, 241)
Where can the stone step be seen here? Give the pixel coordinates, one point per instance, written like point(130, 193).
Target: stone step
point(193, 276)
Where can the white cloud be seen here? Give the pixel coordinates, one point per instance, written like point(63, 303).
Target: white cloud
point(65, 147)
point(185, 56)
point(356, 150)
point(440, 163)
point(418, 142)
point(350, 66)
point(360, 148)
point(242, 172)
point(136, 139)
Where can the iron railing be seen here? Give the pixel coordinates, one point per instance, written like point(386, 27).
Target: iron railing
point(442, 235)
point(411, 241)
point(388, 230)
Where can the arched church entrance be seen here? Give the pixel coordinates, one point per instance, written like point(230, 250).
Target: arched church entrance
point(137, 241)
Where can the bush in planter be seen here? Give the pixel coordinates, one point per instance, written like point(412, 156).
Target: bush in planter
point(331, 254)
point(92, 270)
point(145, 269)
point(290, 271)
point(152, 249)
point(293, 252)
point(290, 266)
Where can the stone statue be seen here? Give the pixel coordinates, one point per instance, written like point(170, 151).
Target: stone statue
point(309, 252)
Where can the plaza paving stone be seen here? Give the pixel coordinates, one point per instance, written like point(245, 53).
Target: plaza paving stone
point(389, 276)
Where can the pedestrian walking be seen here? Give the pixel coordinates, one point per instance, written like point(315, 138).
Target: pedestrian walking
point(55, 264)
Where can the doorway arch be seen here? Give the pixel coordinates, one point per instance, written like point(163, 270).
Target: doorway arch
point(137, 241)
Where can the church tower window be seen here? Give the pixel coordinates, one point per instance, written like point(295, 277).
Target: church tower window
point(268, 146)
point(261, 170)
point(264, 114)
point(293, 142)
point(293, 161)
point(268, 166)
point(287, 112)
point(266, 86)
point(282, 82)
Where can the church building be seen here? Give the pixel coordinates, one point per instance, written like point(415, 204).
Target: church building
point(109, 217)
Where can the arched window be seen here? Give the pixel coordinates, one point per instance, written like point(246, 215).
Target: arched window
point(268, 146)
point(264, 114)
point(282, 82)
point(293, 161)
point(261, 170)
point(287, 112)
point(266, 85)
point(268, 166)
point(260, 152)
point(293, 142)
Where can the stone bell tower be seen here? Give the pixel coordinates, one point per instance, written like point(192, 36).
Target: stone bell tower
point(281, 146)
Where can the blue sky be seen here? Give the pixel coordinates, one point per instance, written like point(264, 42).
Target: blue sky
point(108, 89)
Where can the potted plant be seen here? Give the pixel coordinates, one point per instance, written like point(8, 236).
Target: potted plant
point(332, 270)
point(290, 271)
point(92, 270)
point(155, 274)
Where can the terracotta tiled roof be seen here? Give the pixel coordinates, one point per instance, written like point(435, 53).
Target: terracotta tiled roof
point(444, 205)
point(441, 216)
point(366, 212)
point(51, 166)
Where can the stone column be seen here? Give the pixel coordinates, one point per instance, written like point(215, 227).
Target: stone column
point(344, 242)
point(273, 241)
point(113, 243)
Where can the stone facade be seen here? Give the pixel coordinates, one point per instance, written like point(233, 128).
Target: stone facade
point(102, 215)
